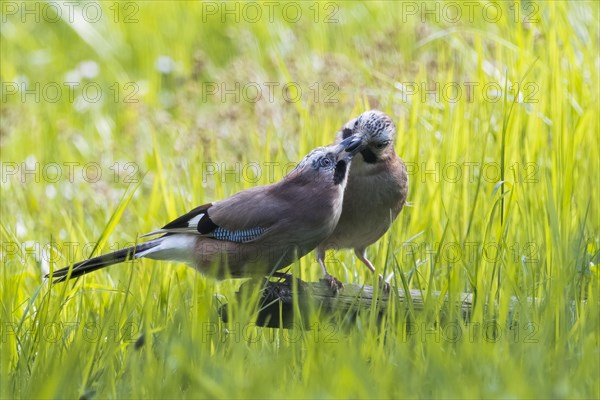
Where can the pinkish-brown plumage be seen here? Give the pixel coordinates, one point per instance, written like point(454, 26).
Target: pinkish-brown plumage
point(254, 232)
point(376, 190)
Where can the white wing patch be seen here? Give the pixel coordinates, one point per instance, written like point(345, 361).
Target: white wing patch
point(192, 223)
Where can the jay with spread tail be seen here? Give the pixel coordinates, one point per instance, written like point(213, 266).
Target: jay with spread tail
point(376, 190)
point(255, 232)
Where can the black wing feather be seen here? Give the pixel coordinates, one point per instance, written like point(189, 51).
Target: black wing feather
point(205, 224)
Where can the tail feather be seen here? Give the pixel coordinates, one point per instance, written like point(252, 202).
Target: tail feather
point(95, 263)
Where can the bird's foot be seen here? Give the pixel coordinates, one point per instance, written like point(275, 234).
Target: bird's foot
point(383, 285)
point(334, 284)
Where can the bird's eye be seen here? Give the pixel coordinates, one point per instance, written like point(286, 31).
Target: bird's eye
point(381, 145)
point(325, 162)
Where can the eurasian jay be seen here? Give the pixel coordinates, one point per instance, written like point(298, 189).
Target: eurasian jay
point(376, 190)
point(256, 231)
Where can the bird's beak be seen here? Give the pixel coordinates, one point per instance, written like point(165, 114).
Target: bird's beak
point(351, 145)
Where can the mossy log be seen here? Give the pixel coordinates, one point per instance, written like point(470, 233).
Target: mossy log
point(277, 301)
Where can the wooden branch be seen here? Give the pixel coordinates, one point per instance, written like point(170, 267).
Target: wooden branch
point(277, 301)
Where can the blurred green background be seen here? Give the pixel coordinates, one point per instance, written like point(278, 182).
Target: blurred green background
point(119, 116)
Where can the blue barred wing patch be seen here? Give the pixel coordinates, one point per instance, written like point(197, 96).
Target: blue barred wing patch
point(241, 236)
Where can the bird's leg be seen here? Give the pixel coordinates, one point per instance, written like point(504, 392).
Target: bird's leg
point(334, 284)
point(362, 256)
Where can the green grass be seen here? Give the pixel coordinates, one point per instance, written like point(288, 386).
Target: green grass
point(150, 329)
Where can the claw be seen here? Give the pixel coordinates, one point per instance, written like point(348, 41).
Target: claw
point(385, 286)
point(334, 284)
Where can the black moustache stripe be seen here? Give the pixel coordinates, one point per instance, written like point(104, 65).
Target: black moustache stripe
point(369, 156)
point(340, 172)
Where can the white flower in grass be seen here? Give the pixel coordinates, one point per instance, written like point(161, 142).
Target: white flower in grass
point(165, 64)
point(88, 69)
